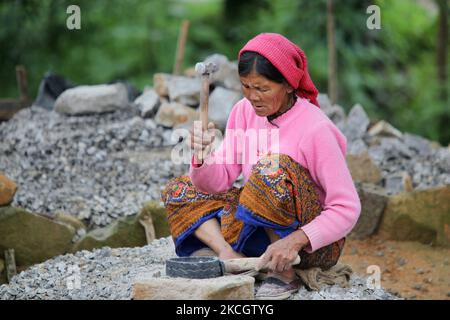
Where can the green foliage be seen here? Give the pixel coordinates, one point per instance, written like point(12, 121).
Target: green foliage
point(391, 72)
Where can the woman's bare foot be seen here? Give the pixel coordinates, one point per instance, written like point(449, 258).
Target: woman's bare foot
point(286, 276)
point(230, 254)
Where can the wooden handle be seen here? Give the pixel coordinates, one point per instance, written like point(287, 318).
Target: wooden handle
point(244, 264)
point(204, 96)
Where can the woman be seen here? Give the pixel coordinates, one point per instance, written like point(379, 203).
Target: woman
point(297, 199)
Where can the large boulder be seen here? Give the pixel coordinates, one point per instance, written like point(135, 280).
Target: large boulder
point(33, 237)
point(92, 99)
point(159, 217)
point(127, 231)
point(7, 190)
point(2, 272)
point(124, 232)
point(373, 201)
point(421, 215)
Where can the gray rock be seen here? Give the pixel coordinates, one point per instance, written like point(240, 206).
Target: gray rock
point(184, 90)
point(227, 75)
point(414, 142)
point(335, 112)
point(356, 124)
point(148, 103)
point(397, 182)
point(356, 147)
point(50, 88)
point(221, 102)
point(373, 201)
point(92, 99)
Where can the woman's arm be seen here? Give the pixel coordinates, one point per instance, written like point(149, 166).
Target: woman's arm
point(221, 168)
point(324, 153)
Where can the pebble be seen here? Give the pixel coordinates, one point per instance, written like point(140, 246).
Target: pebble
point(401, 261)
point(380, 254)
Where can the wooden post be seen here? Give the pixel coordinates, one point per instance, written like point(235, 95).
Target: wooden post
point(147, 222)
point(332, 73)
point(22, 85)
point(180, 47)
point(10, 262)
point(442, 49)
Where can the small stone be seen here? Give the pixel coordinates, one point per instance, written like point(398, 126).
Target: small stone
point(418, 287)
point(420, 271)
point(401, 261)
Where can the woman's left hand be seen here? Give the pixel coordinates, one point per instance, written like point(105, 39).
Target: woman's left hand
point(280, 255)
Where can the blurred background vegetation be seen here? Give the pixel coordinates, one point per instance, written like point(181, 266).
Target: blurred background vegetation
point(391, 72)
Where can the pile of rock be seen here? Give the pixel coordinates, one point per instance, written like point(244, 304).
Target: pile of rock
point(403, 179)
point(99, 156)
point(110, 274)
point(96, 167)
point(174, 100)
point(383, 155)
point(85, 165)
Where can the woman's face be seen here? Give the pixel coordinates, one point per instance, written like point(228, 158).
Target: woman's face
point(266, 96)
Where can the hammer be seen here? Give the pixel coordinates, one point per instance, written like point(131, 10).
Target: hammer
point(204, 70)
point(197, 267)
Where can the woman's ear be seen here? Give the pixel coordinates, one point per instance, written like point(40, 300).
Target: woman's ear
point(289, 88)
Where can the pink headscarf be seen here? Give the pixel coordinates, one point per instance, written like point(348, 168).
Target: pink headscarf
point(289, 59)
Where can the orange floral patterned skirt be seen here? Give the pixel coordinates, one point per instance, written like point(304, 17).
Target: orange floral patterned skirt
point(279, 195)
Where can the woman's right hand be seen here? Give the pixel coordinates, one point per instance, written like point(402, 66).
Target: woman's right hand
point(201, 140)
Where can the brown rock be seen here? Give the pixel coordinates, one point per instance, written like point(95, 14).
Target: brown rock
point(33, 237)
point(132, 231)
point(221, 288)
point(161, 83)
point(373, 201)
point(7, 190)
point(421, 215)
point(175, 115)
point(363, 169)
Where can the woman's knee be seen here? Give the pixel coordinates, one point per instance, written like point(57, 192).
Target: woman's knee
point(174, 188)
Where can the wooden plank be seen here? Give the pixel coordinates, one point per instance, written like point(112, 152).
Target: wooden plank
point(10, 262)
point(8, 107)
point(22, 84)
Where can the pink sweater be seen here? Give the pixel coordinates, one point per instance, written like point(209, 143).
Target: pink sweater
point(308, 136)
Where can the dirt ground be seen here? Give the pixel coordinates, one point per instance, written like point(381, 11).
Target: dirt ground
point(408, 269)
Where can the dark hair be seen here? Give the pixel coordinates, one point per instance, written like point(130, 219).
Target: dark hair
point(252, 61)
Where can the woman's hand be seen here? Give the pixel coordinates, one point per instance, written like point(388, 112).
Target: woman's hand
point(280, 255)
point(201, 140)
